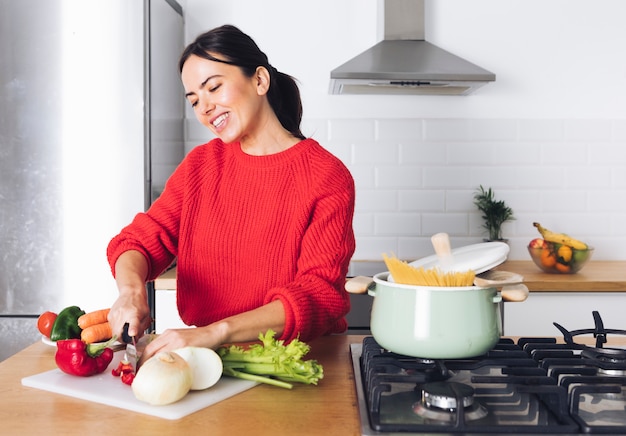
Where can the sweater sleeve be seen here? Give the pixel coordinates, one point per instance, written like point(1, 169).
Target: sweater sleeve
point(155, 233)
point(316, 301)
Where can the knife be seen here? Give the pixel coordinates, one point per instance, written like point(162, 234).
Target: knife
point(130, 354)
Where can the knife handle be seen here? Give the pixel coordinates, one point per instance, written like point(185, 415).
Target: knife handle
point(125, 336)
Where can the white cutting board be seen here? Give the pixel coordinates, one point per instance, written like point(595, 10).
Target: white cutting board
point(106, 389)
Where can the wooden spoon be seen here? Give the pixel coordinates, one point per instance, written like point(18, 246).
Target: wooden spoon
point(441, 244)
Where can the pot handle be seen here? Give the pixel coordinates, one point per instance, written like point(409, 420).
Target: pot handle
point(518, 292)
point(497, 298)
point(358, 284)
point(371, 289)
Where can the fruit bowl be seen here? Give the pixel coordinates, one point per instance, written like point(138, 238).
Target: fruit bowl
point(558, 258)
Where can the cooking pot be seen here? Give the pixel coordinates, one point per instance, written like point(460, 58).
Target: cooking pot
point(434, 322)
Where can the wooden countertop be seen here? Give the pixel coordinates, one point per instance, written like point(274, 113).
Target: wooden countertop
point(329, 408)
point(166, 281)
point(596, 276)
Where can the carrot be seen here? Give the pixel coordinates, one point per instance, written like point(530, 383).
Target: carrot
point(93, 318)
point(96, 333)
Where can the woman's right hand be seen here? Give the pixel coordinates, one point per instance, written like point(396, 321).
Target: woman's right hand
point(131, 306)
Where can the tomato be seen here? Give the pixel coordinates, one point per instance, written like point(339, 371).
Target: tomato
point(45, 323)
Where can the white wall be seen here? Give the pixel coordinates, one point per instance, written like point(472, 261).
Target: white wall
point(549, 136)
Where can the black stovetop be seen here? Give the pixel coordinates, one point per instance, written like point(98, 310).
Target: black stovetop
point(528, 386)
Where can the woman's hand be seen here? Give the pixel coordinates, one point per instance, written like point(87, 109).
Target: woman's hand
point(243, 327)
point(131, 307)
point(170, 340)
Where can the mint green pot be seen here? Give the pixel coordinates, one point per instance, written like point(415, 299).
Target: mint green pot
point(434, 322)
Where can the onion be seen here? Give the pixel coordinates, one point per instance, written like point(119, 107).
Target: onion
point(163, 379)
point(206, 366)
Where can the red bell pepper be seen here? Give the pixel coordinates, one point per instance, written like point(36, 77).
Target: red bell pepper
point(75, 357)
point(125, 371)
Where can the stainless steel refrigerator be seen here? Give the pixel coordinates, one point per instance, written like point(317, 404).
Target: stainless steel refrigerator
point(91, 126)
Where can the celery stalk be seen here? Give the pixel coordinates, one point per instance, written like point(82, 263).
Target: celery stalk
point(271, 361)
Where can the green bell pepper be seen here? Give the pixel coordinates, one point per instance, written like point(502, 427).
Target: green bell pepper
point(66, 324)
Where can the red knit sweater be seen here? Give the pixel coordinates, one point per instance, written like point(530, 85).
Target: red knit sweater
point(247, 230)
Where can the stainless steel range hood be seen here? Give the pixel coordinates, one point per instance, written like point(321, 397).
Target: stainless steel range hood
point(404, 63)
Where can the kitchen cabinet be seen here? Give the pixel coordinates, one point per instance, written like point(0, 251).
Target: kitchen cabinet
point(572, 310)
point(165, 311)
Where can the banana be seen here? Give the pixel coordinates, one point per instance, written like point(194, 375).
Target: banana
point(560, 238)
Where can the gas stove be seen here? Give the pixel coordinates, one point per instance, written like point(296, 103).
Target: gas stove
point(528, 386)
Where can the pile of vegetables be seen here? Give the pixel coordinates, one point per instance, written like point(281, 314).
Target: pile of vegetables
point(271, 362)
point(78, 336)
point(74, 323)
point(168, 376)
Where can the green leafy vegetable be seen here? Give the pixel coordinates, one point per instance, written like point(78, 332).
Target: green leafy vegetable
point(271, 362)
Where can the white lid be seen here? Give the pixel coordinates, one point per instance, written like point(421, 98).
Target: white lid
point(478, 257)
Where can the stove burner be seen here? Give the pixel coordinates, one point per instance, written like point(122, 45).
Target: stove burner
point(440, 399)
point(608, 355)
point(612, 372)
point(444, 395)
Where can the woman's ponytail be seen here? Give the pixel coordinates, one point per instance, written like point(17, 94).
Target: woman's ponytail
point(284, 97)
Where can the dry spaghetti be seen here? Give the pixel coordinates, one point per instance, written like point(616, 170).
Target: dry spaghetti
point(406, 274)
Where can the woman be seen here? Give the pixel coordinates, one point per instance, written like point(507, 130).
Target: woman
point(259, 219)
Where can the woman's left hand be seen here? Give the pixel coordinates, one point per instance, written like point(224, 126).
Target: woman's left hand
point(173, 339)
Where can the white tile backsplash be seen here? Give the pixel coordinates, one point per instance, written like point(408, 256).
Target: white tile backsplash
point(398, 130)
point(587, 130)
point(540, 130)
point(416, 177)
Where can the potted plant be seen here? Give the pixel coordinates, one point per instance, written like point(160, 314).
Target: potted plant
point(495, 213)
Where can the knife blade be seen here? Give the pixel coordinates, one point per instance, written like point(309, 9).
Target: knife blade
point(130, 354)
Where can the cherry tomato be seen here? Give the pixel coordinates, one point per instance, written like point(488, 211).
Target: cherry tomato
point(45, 323)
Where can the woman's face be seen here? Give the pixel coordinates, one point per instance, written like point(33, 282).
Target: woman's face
point(223, 98)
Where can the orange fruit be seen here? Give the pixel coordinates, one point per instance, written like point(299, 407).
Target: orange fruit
point(548, 259)
point(562, 268)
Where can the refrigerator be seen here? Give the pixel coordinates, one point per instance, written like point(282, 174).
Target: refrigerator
point(91, 126)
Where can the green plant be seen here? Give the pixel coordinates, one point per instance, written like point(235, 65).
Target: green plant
point(495, 213)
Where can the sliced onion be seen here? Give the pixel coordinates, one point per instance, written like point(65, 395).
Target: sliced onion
point(206, 366)
point(163, 379)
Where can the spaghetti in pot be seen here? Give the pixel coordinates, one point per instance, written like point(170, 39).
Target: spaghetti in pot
point(405, 274)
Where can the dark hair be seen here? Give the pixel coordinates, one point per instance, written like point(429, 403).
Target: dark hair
point(240, 50)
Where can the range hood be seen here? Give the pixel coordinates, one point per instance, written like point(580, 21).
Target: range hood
point(404, 63)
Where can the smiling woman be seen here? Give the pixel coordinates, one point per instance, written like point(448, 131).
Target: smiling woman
point(216, 75)
point(259, 219)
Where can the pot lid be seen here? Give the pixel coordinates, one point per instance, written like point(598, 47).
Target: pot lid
point(478, 257)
